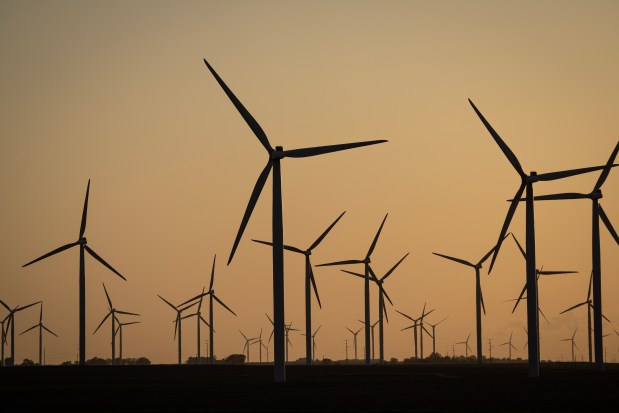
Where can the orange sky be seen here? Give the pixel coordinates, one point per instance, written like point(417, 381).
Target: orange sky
point(117, 92)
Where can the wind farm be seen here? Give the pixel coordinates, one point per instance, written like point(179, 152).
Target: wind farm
point(195, 129)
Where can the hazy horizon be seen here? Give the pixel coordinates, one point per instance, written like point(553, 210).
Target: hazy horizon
point(117, 92)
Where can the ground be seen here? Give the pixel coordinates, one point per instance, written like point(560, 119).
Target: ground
point(498, 387)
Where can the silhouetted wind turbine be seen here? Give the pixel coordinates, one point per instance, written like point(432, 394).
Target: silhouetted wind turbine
point(573, 344)
point(415, 324)
point(313, 338)
point(119, 332)
point(248, 342)
point(11, 323)
point(366, 261)
point(509, 345)
point(199, 321)
point(434, 333)
point(4, 334)
point(466, 345)
point(527, 182)
point(178, 324)
point(309, 279)
point(372, 331)
point(479, 298)
point(81, 241)
point(590, 306)
point(597, 213)
point(113, 311)
point(288, 329)
point(41, 327)
point(382, 308)
point(275, 156)
point(211, 323)
point(354, 334)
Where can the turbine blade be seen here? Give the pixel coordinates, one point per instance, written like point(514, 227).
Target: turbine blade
point(26, 306)
point(376, 237)
point(222, 303)
point(194, 298)
point(49, 331)
point(551, 176)
point(324, 234)
point(186, 307)
point(454, 259)
point(524, 254)
point(249, 119)
point(407, 328)
point(347, 262)
point(519, 298)
point(590, 285)
point(481, 296)
point(102, 261)
point(609, 226)
point(210, 288)
point(485, 257)
point(250, 206)
point(269, 319)
point(201, 298)
point(407, 316)
point(126, 312)
point(556, 197)
point(84, 212)
point(167, 302)
point(102, 321)
point(543, 315)
point(606, 318)
point(354, 273)
point(321, 150)
point(313, 280)
point(109, 301)
point(556, 272)
point(41, 314)
point(385, 310)
point(286, 247)
point(49, 254)
point(607, 168)
point(508, 219)
point(394, 267)
point(508, 152)
point(31, 328)
point(176, 324)
point(5, 306)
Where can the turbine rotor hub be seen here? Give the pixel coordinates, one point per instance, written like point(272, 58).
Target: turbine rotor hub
point(277, 154)
point(597, 194)
point(82, 241)
point(532, 178)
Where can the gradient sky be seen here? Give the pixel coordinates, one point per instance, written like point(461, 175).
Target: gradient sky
point(117, 92)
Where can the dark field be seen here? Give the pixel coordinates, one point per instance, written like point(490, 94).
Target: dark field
point(497, 387)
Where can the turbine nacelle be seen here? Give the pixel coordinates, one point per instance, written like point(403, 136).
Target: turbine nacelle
point(278, 153)
point(82, 241)
point(596, 194)
point(531, 178)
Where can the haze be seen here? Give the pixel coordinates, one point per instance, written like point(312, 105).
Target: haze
point(117, 92)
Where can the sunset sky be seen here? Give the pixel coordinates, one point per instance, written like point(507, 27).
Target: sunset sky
point(118, 92)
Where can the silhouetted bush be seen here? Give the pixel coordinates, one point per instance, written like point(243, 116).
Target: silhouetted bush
point(235, 359)
point(28, 362)
point(96, 361)
point(195, 360)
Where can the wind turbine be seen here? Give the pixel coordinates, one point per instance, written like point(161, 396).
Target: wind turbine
point(119, 330)
point(11, 322)
point(509, 345)
point(382, 308)
point(275, 156)
point(573, 344)
point(309, 279)
point(313, 338)
point(366, 261)
point(434, 333)
point(288, 329)
point(41, 328)
point(81, 241)
point(479, 298)
point(199, 320)
point(4, 334)
point(113, 311)
point(527, 182)
point(597, 213)
point(354, 334)
point(415, 324)
point(590, 306)
point(248, 342)
point(211, 323)
point(372, 331)
point(466, 345)
point(178, 323)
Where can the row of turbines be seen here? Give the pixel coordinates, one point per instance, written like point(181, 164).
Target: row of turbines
point(277, 245)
